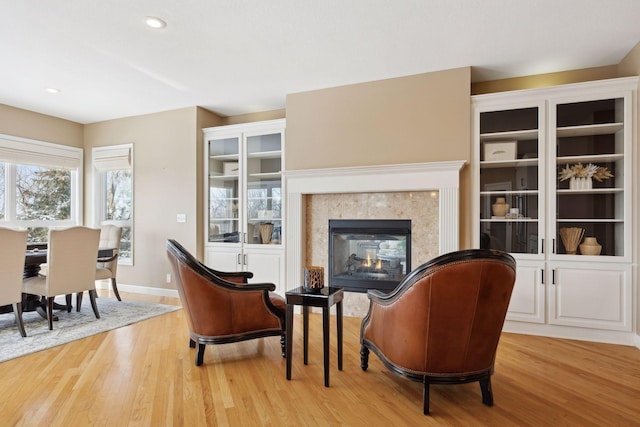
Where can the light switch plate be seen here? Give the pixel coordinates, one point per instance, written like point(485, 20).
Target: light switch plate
point(181, 218)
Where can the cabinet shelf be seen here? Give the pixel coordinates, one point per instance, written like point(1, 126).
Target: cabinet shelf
point(590, 191)
point(266, 175)
point(592, 158)
point(508, 192)
point(265, 155)
point(225, 157)
point(591, 220)
point(224, 177)
point(589, 130)
point(509, 220)
point(518, 163)
point(510, 135)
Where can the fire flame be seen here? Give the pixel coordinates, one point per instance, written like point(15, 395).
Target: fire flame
point(367, 263)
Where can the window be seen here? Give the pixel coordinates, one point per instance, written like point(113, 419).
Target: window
point(40, 186)
point(114, 193)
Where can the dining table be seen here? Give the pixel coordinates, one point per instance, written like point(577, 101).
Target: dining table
point(35, 255)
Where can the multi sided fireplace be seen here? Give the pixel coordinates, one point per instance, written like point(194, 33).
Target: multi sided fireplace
point(369, 253)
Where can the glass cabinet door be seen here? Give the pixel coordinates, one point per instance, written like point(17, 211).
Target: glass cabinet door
point(224, 190)
point(510, 197)
point(264, 188)
point(590, 177)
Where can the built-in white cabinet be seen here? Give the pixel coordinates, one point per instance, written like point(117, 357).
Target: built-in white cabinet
point(244, 199)
point(553, 175)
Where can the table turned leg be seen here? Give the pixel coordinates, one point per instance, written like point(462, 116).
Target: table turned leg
point(289, 337)
point(325, 343)
point(305, 333)
point(339, 323)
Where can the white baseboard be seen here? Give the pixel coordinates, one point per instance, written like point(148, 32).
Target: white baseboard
point(146, 290)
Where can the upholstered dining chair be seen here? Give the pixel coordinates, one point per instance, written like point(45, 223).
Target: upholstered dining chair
point(107, 268)
point(13, 247)
point(442, 323)
point(222, 307)
point(71, 268)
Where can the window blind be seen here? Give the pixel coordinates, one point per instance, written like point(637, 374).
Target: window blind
point(112, 158)
point(31, 152)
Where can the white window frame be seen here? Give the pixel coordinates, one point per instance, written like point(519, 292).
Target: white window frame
point(24, 151)
point(112, 157)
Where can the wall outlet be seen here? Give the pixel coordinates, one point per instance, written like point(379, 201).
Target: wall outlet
point(168, 277)
point(181, 218)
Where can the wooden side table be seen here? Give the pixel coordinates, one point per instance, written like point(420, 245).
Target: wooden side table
point(324, 298)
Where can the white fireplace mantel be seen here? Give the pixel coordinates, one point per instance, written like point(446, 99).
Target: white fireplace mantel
point(443, 177)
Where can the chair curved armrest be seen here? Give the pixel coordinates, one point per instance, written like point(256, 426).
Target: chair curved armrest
point(377, 296)
point(238, 274)
point(253, 286)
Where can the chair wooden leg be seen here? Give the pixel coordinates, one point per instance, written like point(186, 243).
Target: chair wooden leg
point(487, 392)
point(79, 301)
point(94, 305)
point(17, 310)
point(192, 343)
point(115, 288)
point(283, 344)
point(200, 354)
point(50, 312)
point(364, 358)
point(67, 299)
point(425, 397)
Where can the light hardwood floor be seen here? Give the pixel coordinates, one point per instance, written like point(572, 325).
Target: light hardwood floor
point(144, 374)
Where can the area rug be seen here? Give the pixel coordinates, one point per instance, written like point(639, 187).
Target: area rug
point(72, 326)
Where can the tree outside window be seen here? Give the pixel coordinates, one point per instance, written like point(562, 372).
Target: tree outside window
point(39, 186)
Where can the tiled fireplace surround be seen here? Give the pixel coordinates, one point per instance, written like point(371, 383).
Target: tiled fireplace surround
point(426, 193)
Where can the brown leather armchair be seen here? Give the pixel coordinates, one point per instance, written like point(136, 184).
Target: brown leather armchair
point(222, 307)
point(442, 323)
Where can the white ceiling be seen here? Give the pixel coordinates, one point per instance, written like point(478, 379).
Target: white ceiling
point(241, 56)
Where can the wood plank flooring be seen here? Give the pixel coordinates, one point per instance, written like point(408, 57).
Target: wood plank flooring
point(144, 375)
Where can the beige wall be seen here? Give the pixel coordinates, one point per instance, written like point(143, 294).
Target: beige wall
point(27, 124)
point(630, 66)
point(168, 180)
point(420, 118)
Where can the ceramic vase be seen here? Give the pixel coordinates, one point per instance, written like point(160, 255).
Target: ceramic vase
point(590, 246)
point(500, 207)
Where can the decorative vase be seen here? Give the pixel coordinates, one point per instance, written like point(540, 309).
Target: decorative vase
point(580, 184)
point(266, 230)
point(500, 207)
point(590, 246)
point(314, 278)
point(571, 237)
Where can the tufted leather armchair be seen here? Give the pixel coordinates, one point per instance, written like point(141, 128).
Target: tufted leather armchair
point(442, 323)
point(222, 307)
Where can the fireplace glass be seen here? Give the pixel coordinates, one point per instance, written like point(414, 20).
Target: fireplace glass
point(369, 254)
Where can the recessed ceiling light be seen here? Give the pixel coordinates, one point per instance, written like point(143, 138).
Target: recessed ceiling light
point(154, 22)
point(52, 90)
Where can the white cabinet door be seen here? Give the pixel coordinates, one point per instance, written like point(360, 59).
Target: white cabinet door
point(223, 259)
point(591, 295)
point(527, 298)
point(266, 266)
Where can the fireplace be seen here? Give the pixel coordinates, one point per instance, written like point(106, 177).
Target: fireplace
point(369, 253)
